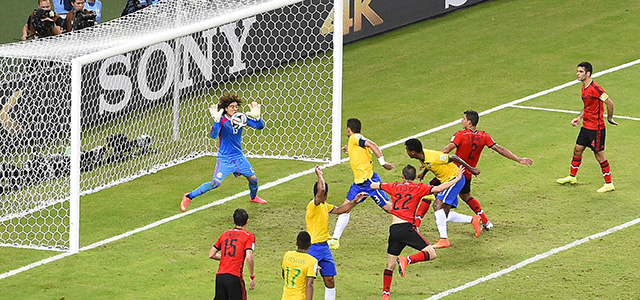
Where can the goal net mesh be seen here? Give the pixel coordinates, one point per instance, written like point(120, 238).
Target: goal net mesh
point(146, 109)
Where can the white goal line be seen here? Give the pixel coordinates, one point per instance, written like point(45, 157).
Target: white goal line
point(300, 174)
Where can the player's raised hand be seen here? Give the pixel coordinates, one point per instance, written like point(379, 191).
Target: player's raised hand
point(318, 171)
point(460, 173)
point(216, 113)
point(254, 111)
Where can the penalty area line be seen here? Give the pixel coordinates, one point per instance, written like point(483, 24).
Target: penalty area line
point(534, 259)
point(569, 111)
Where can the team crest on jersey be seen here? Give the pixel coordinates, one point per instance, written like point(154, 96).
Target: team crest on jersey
point(443, 157)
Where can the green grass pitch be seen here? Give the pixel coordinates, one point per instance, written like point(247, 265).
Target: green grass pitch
point(401, 84)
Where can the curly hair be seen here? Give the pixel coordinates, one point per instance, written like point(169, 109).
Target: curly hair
point(227, 99)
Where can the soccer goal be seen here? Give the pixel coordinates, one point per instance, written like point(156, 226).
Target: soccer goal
point(97, 107)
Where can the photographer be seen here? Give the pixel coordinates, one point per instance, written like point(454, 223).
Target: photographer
point(79, 17)
point(135, 5)
point(42, 22)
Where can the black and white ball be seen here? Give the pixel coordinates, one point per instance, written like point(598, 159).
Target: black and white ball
point(239, 120)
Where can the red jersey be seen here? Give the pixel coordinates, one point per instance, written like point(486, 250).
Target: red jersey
point(232, 245)
point(593, 97)
point(405, 197)
point(469, 146)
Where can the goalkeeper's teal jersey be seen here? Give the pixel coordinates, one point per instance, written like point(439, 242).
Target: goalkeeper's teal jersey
point(230, 139)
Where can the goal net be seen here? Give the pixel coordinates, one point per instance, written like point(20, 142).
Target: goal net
point(97, 107)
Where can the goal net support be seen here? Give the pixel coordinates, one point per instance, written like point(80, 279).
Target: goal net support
point(101, 106)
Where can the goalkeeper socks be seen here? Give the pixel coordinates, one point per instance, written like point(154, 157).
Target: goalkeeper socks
point(329, 293)
point(475, 206)
point(606, 171)
point(205, 187)
point(575, 165)
point(341, 224)
point(253, 187)
point(441, 222)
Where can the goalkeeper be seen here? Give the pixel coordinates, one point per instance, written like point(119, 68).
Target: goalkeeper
point(231, 159)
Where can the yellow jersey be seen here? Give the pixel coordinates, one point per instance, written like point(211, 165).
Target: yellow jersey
point(438, 163)
point(360, 158)
point(317, 218)
point(297, 268)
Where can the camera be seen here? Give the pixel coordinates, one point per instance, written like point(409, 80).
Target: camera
point(43, 27)
point(83, 19)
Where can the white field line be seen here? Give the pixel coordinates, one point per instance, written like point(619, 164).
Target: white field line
point(534, 259)
point(300, 174)
point(569, 111)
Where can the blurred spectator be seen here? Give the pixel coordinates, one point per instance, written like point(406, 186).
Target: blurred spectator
point(62, 7)
point(79, 17)
point(95, 6)
point(135, 5)
point(42, 22)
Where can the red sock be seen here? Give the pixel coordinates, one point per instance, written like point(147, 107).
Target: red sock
point(422, 210)
point(575, 165)
point(606, 171)
point(475, 206)
point(418, 257)
point(387, 277)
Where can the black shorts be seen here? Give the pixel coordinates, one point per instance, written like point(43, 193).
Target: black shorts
point(402, 235)
point(230, 287)
point(593, 139)
point(467, 187)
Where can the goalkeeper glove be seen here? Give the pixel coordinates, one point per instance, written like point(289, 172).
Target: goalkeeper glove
point(216, 113)
point(254, 113)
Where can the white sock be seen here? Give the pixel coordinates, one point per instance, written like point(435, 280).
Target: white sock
point(329, 294)
point(458, 218)
point(341, 224)
point(441, 222)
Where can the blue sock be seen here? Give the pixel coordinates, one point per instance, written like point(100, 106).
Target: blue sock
point(205, 187)
point(253, 187)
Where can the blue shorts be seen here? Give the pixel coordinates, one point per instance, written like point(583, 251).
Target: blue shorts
point(450, 195)
point(379, 196)
point(323, 254)
point(238, 166)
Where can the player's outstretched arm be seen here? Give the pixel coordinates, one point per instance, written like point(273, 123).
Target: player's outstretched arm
point(321, 195)
point(448, 148)
point(473, 170)
point(376, 150)
point(508, 154)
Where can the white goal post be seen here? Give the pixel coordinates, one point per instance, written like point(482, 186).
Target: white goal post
point(105, 105)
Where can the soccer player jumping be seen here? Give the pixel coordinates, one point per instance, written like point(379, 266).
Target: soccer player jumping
point(230, 160)
point(593, 131)
point(469, 144)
